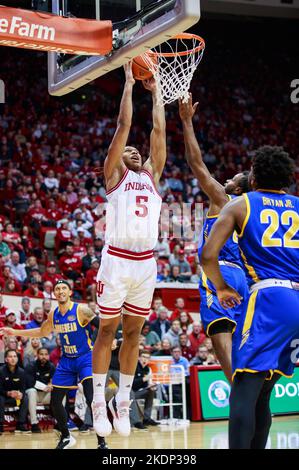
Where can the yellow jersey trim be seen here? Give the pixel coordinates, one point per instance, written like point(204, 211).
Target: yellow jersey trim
point(270, 191)
point(247, 215)
point(249, 312)
point(209, 293)
point(219, 319)
point(250, 269)
point(283, 374)
point(77, 314)
point(270, 371)
point(70, 308)
point(63, 314)
point(85, 378)
point(251, 371)
point(217, 215)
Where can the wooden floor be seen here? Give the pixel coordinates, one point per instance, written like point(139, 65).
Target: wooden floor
point(208, 435)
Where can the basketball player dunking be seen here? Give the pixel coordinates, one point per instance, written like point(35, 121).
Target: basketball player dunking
point(267, 220)
point(218, 323)
point(127, 276)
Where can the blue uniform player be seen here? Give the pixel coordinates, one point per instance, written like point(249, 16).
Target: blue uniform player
point(76, 360)
point(214, 317)
point(218, 323)
point(72, 322)
point(264, 345)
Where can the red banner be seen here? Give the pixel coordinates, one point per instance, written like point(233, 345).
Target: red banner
point(50, 33)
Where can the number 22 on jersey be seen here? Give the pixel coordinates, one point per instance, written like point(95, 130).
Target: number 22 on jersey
point(274, 220)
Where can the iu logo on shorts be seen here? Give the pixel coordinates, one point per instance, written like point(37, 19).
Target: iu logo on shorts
point(100, 288)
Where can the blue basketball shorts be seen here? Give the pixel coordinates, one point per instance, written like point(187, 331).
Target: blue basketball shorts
point(265, 338)
point(210, 309)
point(70, 371)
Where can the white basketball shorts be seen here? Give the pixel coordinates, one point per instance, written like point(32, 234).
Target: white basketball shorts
point(125, 283)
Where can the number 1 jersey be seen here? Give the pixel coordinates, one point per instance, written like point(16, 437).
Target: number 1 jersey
point(133, 211)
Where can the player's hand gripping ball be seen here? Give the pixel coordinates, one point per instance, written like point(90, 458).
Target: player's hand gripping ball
point(140, 68)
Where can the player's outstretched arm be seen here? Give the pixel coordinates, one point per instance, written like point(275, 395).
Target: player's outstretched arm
point(214, 190)
point(156, 162)
point(231, 216)
point(113, 162)
point(44, 330)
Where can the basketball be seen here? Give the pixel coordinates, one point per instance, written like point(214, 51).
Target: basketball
point(140, 68)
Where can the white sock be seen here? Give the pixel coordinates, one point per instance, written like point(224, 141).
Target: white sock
point(124, 389)
point(99, 383)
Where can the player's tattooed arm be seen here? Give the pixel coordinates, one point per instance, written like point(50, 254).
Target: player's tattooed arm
point(156, 161)
point(86, 316)
point(231, 218)
point(114, 167)
point(44, 330)
point(214, 190)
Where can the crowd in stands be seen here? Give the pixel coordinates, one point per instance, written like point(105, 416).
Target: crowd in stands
point(33, 360)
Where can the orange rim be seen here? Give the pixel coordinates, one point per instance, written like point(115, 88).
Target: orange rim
point(189, 36)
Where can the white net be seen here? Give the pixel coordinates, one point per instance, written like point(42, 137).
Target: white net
point(173, 64)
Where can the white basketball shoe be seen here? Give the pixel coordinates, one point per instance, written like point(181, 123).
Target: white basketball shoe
point(121, 416)
point(101, 423)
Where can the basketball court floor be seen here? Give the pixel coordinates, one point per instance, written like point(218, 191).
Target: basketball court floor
point(204, 435)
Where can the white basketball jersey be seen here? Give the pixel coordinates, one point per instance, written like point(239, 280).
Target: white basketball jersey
point(133, 211)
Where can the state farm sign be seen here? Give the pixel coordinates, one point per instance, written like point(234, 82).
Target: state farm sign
point(17, 26)
point(45, 32)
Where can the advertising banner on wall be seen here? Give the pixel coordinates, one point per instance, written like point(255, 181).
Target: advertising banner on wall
point(210, 392)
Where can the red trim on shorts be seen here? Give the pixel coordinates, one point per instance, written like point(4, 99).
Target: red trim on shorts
point(106, 312)
point(137, 308)
point(142, 314)
point(119, 183)
point(110, 309)
point(133, 255)
point(152, 180)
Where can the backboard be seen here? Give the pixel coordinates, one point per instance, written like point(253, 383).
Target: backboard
point(138, 25)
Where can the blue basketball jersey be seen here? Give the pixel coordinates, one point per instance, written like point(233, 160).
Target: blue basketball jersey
point(75, 338)
point(269, 240)
point(230, 251)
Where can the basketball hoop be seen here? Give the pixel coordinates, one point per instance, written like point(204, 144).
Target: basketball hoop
point(175, 63)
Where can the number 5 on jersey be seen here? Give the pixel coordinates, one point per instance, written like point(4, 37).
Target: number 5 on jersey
point(142, 208)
